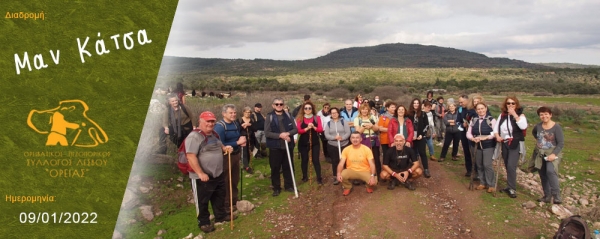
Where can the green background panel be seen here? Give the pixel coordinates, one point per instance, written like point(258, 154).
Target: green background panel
point(116, 86)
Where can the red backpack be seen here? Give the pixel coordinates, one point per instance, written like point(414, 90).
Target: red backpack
point(182, 162)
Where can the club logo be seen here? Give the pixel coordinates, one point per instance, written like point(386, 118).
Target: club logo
point(67, 125)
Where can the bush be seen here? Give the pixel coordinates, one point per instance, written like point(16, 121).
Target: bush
point(542, 94)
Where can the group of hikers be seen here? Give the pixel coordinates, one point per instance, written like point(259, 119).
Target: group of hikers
point(366, 142)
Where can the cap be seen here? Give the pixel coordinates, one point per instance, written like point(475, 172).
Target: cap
point(207, 115)
point(258, 105)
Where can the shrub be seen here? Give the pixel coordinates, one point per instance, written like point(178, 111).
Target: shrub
point(542, 93)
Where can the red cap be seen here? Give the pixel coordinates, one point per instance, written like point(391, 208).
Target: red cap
point(207, 115)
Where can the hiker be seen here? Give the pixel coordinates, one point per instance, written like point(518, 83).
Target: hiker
point(279, 130)
point(349, 113)
point(384, 123)
point(480, 132)
point(260, 130)
point(509, 132)
point(229, 131)
point(429, 98)
point(309, 126)
point(248, 130)
point(463, 125)
point(337, 133)
point(180, 92)
point(366, 124)
point(325, 116)
point(453, 134)
point(358, 101)
point(547, 156)
point(431, 131)
point(359, 164)
point(204, 152)
point(439, 111)
point(420, 124)
point(177, 123)
point(401, 124)
point(401, 165)
point(378, 104)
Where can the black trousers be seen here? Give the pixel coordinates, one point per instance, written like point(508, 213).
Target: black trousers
point(335, 157)
point(278, 160)
point(316, 148)
point(420, 146)
point(467, 150)
point(455, 139)
point(324, 144)
point(212, 191)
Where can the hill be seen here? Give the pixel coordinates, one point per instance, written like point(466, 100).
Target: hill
point(395, 55)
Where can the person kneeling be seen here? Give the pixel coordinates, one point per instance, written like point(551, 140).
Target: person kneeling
point(400, 164)
point(359, 163)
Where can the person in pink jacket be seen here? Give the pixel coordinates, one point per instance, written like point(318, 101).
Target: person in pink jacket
point(309, 126)
point(401, 124)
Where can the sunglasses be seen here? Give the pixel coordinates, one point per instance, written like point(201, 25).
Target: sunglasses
point(278, 104)
point(511, 103)
point(308, 108)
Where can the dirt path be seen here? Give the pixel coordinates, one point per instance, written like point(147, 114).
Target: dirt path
point(441, 207)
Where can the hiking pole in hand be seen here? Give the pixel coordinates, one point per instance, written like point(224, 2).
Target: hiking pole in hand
point(287, 149)
point(309, 157)
point(497, 173)
point(242, 175)
point(230, 195)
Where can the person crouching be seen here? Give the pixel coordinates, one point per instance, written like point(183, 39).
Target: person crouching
point(400, 164)
point(360, 164)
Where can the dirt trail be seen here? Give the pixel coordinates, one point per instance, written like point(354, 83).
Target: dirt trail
point(441, 207)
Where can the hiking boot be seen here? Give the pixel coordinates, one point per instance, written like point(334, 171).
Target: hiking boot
point(427, 174)
point(409, 185)
point(432, 158)
point(491, 190)
point(320, 181)
point(544, 199)
point(369, 190)
point(336, 182)
point(476, 179)
point(393, 184)
point(512, 193)
point(454, 158)
point(468, 174)
point(480, 187)
point(557, 200)
point(249, 170)
point(346, 192)
point(441, 160)
point(305, 180)
point(276, 192)
point(225, 219)
point(207, 228)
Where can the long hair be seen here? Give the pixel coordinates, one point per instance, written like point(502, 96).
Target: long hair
point(398, 108)
point(300, 115)
point(363, 107)
point(471, 104)
point(411, 109)
point(511, 97)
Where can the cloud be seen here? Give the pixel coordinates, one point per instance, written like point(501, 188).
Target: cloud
point(311, 28)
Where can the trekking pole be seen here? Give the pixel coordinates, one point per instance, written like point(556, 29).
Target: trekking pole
point(309, 157)
point(242, 175)
point(249, 147)
point(230, 195)
point(497, 173)
point(287, 149)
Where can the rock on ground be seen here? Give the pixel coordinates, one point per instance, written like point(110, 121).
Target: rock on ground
point(561, 212)
point(129, 200)
point(147, 212)
point(244, 206)
point(117, 235)
point(529, 205)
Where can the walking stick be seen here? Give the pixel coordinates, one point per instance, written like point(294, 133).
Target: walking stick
point(309, 157)
point(230, 195)
point(287, 149)
point(242, 175)
point(497, 173)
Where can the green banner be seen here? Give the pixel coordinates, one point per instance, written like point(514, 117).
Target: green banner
point(77, 77)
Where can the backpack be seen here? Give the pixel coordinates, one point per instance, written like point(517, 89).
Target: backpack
point(182, 162)
point(573, 227)
point(222, 123)
point(329, 123)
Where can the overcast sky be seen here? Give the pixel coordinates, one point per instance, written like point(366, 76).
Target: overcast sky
point(533, 31)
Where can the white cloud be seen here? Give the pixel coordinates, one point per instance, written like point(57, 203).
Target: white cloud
point(307, 29)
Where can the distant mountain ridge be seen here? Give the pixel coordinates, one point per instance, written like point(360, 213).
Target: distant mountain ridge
point(395, 55)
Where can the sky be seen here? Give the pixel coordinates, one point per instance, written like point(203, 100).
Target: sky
point(540, 31)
